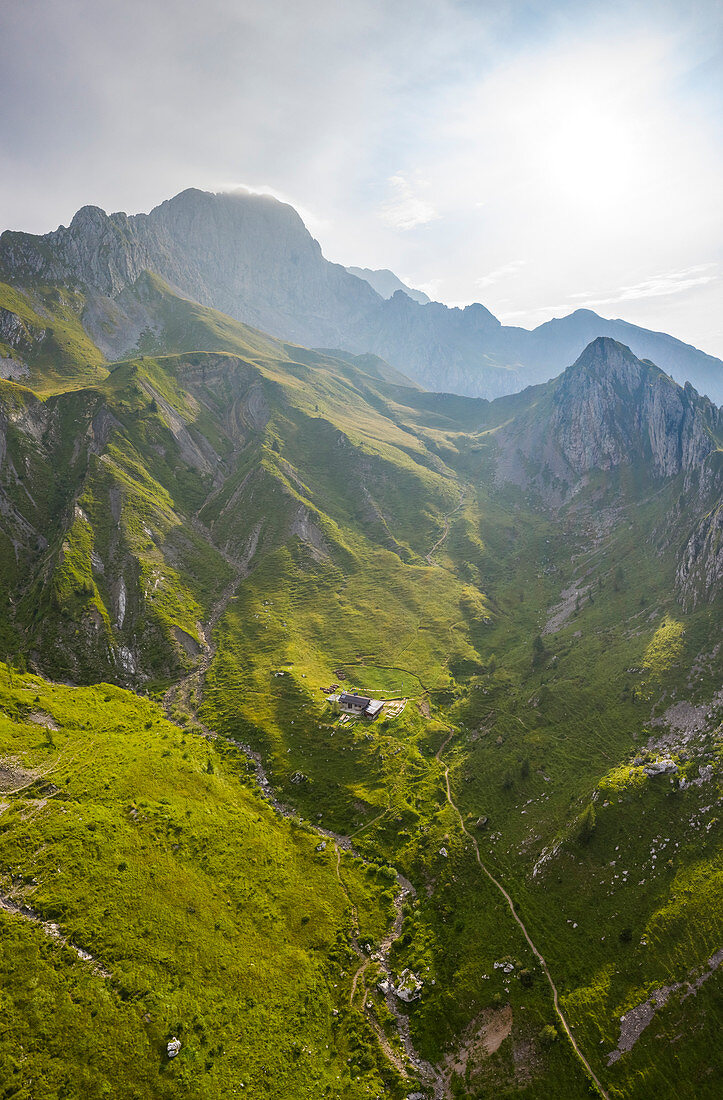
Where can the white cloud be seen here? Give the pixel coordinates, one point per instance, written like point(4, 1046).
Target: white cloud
point(657, 286)
point(435, 137)
point(499, 274)
point(315, 223)
point(407, 208)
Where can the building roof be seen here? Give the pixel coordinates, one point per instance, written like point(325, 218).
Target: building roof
point(348, 700)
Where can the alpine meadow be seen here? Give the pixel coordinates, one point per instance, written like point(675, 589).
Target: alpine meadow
point(311, 590)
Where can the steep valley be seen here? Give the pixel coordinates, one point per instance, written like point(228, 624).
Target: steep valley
point(198, 539)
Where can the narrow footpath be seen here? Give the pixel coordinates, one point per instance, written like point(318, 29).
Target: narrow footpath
point(511, 906)
point(447, 524)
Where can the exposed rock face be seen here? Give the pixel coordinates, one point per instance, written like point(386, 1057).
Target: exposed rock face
point(457, 350)
point(608, 410)
point(13, 369)
point(612, 410)
point(247, 255)
point(409, 986)
point(699, 577)
point(13, 330)
point(309, 532)
point(252, 257)
point(666, 766)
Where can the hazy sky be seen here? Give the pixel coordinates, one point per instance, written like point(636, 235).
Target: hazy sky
point(536, 156)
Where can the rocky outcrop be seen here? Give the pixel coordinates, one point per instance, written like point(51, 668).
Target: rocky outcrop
point(666, 766)
point(306, 529)
point(12, 369)
point(105, 252)
point(699, 577)
point(14, 331)
point(608, 410)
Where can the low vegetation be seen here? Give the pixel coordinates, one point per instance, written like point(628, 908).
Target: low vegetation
point(283, 521)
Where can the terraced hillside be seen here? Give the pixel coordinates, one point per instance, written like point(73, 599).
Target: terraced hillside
point(227, 526)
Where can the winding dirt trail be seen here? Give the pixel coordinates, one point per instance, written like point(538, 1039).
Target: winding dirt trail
point(445, 532)
point(511, 906)
point(365, 959)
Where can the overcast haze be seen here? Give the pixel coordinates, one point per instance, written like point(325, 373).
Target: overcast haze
point(536, 157)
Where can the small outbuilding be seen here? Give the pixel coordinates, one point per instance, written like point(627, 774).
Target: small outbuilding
point(374, 708)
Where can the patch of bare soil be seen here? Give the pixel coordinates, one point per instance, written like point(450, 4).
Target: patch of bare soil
point(42, 719)
point(14, 777)
point(423, 707)
point(482, 1038)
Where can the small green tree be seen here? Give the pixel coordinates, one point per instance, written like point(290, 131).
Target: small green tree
point(548, 1036)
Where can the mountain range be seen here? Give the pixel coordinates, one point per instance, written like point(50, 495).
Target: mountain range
point(251, 257)
point(386, 283)
point(507, 884)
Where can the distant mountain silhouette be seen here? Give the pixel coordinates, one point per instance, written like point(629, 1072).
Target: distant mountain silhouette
point(253, 258)
point(386, 283)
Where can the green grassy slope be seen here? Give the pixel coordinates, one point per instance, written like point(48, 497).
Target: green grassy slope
point(540, 738)
point(47, 338)
point(206, 915)
point(335, 526)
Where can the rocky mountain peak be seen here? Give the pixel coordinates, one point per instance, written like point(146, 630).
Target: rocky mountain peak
point(87, 219)
point(386, 283)
point(608, 410)
point(611, 408)
point(608, 358)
